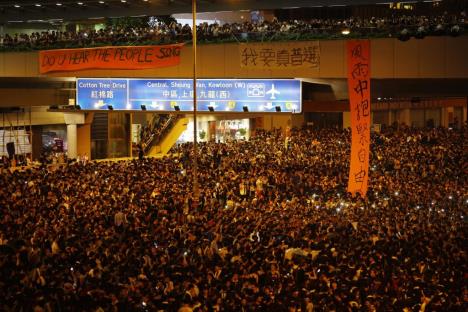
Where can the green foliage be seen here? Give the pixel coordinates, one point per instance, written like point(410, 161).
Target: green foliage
point(166, 19)
point(202, 134)
point(127, 22)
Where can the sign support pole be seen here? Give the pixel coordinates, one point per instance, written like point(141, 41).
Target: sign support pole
point(195, 192)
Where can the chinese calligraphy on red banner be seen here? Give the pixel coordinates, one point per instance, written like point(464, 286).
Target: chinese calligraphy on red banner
point(359, 99)
point(280, 55)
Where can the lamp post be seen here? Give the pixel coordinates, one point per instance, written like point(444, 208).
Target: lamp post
point(195, 191)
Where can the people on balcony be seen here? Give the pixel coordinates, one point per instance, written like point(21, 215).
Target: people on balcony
point(314, 28)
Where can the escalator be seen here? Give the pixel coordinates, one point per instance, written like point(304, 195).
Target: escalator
point(164, 135)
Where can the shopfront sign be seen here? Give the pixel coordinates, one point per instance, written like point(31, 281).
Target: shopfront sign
point(216, 95)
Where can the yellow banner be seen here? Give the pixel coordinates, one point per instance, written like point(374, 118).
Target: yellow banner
point(280, 55)
point(360, 106)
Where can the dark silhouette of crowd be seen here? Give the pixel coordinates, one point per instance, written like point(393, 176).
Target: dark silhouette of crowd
point(273, 228)
point(173, 32)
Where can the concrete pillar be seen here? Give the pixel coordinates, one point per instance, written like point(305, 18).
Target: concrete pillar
point(346, 120)
point(405, 117)
point(71, 141)
point(464, 114)
point(268, 122)
point(73, 119)
point(446, 113)
point(389, 117)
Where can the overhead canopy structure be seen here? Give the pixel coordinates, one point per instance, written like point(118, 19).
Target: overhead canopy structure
point(43, 10)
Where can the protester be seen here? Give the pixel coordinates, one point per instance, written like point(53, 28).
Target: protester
point(274, 229)
point(315, 28)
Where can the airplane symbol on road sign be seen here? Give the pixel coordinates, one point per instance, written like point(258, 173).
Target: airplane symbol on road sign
point(273, 92)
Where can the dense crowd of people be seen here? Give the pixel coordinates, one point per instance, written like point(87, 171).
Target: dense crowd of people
point(273, 228)
point(172, 32)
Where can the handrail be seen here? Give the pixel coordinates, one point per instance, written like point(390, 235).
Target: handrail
point(298, 32)
point(156, 137)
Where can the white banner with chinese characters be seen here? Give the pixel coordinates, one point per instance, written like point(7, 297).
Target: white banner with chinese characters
point(280, 55)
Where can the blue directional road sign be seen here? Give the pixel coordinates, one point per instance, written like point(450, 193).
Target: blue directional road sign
point(99, 93)
point(227, 95)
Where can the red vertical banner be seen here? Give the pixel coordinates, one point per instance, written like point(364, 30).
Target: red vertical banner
point(360, 106)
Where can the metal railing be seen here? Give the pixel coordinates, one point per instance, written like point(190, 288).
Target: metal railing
point(158, 133)
point(301, 32)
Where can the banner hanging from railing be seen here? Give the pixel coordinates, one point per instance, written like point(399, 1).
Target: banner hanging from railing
point(288, 55)
point(118, 57)
point(360, 106)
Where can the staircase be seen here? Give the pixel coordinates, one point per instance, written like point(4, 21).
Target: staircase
point(99, 135)
point(164, 136)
